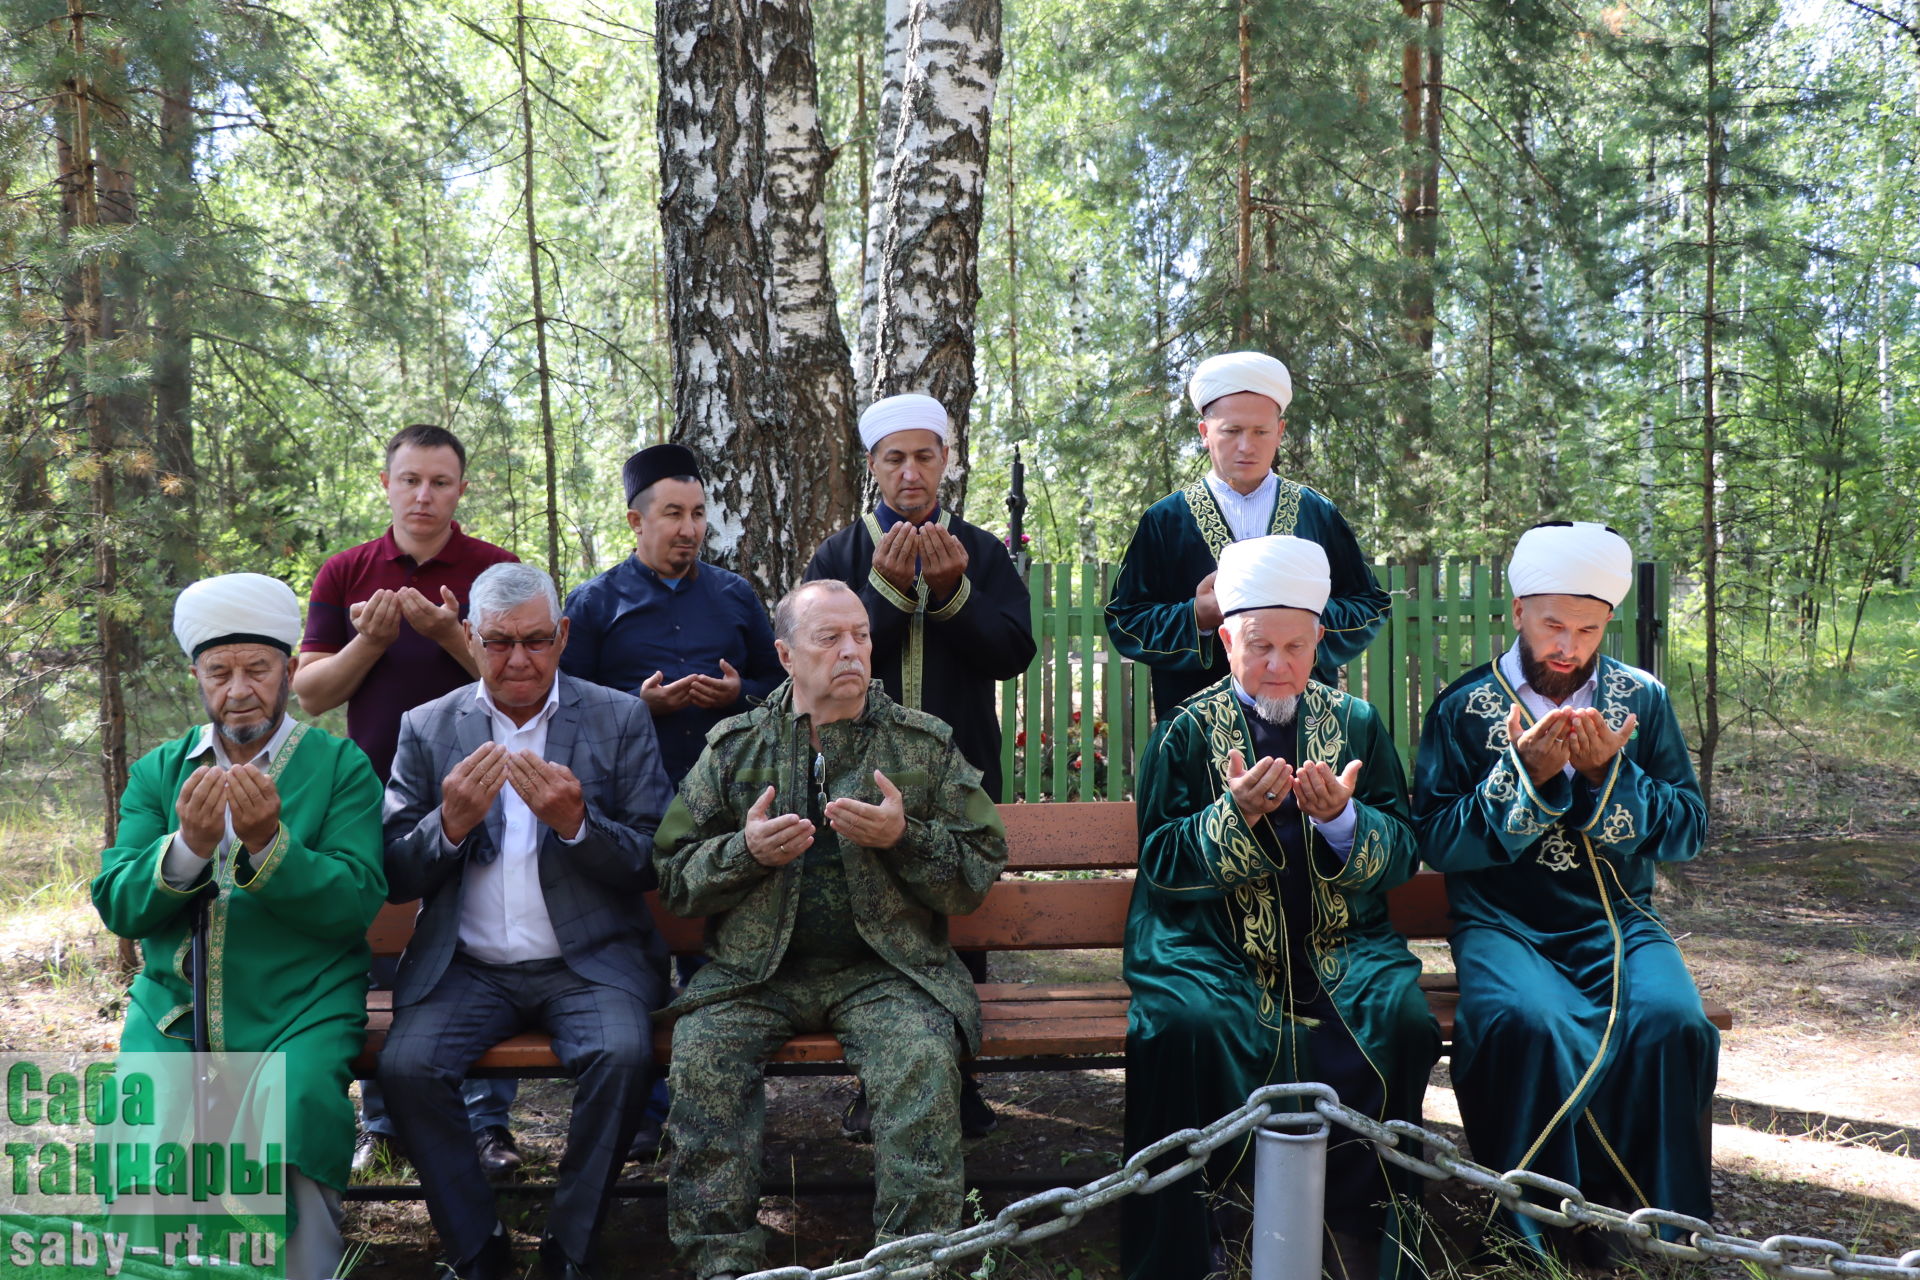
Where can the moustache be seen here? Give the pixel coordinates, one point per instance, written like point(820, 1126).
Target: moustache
point(850, 668)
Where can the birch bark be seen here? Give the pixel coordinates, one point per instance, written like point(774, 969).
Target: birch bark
point(809, 345)
point(727, 397)
point(927, 269)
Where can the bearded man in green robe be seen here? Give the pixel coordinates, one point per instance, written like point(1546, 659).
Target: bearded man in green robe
point(1550, 784)
point(272, 827)
point(1258, 949)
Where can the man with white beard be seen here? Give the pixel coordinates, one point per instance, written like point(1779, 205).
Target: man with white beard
point(1273, 820)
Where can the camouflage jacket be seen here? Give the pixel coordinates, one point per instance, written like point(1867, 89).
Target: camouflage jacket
point(953, 850)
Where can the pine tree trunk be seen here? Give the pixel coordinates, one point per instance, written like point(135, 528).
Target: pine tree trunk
point(1420, 68)
point(1243, 190)
point(542, 372)
point(809, 345)
point(927, 276)
point(83, 335)
point(728, 396)
point(171, 321)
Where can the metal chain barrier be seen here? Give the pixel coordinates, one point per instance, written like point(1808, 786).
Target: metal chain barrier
point(1406, 1144)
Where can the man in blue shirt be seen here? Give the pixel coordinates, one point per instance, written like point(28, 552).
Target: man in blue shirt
point(689, 638)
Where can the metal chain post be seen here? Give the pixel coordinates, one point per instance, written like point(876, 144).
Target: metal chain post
point(1289, 1195)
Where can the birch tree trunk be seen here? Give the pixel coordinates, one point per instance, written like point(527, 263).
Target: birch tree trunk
point(927, 278)
point(809, 345)
point(893, 65)
point(728, 395)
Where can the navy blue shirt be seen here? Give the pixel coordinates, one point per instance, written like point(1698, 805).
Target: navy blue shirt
point(630, 622)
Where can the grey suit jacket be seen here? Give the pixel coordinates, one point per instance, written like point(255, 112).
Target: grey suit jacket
point(593, 888)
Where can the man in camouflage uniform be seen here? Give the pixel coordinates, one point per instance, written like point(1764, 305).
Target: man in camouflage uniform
point(827, 834)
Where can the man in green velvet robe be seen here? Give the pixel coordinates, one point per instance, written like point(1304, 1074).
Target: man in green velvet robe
point(1164, 610)
point(1258, 949)
point(1549, 785)
point(276, 825)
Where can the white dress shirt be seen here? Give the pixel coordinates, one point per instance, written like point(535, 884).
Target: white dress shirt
point(1538, 704)
point(1248, 515)
point(182, 866)
point(503, 910)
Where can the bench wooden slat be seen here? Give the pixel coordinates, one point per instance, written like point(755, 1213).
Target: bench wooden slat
point(1021, 1019)
point(1095, 835)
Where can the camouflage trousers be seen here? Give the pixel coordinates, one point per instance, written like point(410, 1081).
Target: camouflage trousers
point(900, 1041)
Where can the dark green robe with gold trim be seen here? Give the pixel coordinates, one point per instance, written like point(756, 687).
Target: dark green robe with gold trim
point(287, 946)
point(1150, 617)
point(1207, 959)
point(1580, 1048)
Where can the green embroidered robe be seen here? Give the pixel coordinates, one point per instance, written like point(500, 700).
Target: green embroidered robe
point(1580, 1048)
point(1150, 616)
point(287, 949)
point(1207, 954)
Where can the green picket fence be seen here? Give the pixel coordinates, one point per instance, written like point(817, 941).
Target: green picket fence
point(1074, 724)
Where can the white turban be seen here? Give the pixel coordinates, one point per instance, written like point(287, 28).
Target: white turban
point(1240, 371)
point(903, 413)
point(1580, 559)
point(238, 608)
point(1275, 572)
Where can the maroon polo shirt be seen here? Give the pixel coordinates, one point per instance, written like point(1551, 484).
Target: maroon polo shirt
point(414, 669)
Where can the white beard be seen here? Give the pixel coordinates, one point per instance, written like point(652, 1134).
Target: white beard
point(1277, 711)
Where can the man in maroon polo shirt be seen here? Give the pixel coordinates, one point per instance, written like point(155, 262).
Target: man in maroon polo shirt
point(383, 636)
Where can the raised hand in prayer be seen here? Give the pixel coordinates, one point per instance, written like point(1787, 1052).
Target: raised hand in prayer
point(550, 790)
point(377, 618)
point(1322, 793)
point(202, 809)
point(714, 692)
point(255, 804)
point(468, 792)
point(774, 842)
point(1543, 749)
point(1260, 790)
point(439, 623)
point(871, 826)
point(894, 556)
point(943, 562)
point(1593, 744)
point(1206, 609)
point(663, 698)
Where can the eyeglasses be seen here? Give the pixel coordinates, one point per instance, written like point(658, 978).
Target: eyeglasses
point(532, 644)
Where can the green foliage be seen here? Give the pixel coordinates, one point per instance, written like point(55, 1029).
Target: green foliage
point(332, 237)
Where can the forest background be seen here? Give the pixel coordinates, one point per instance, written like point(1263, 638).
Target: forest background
point(1653, 263)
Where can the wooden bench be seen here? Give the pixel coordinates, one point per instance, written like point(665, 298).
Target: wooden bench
point(1027, 1025)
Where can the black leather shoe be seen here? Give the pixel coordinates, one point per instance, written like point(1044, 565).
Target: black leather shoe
point(556, 1265)
point(497, 1150)
point(976, 1117)
point(493, 1262)
point(857, 1124)
point(646, 1143)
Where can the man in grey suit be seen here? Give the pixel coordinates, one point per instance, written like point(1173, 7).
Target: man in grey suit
point(521, 813)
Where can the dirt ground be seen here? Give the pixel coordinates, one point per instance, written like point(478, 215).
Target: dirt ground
point(1815, 944)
